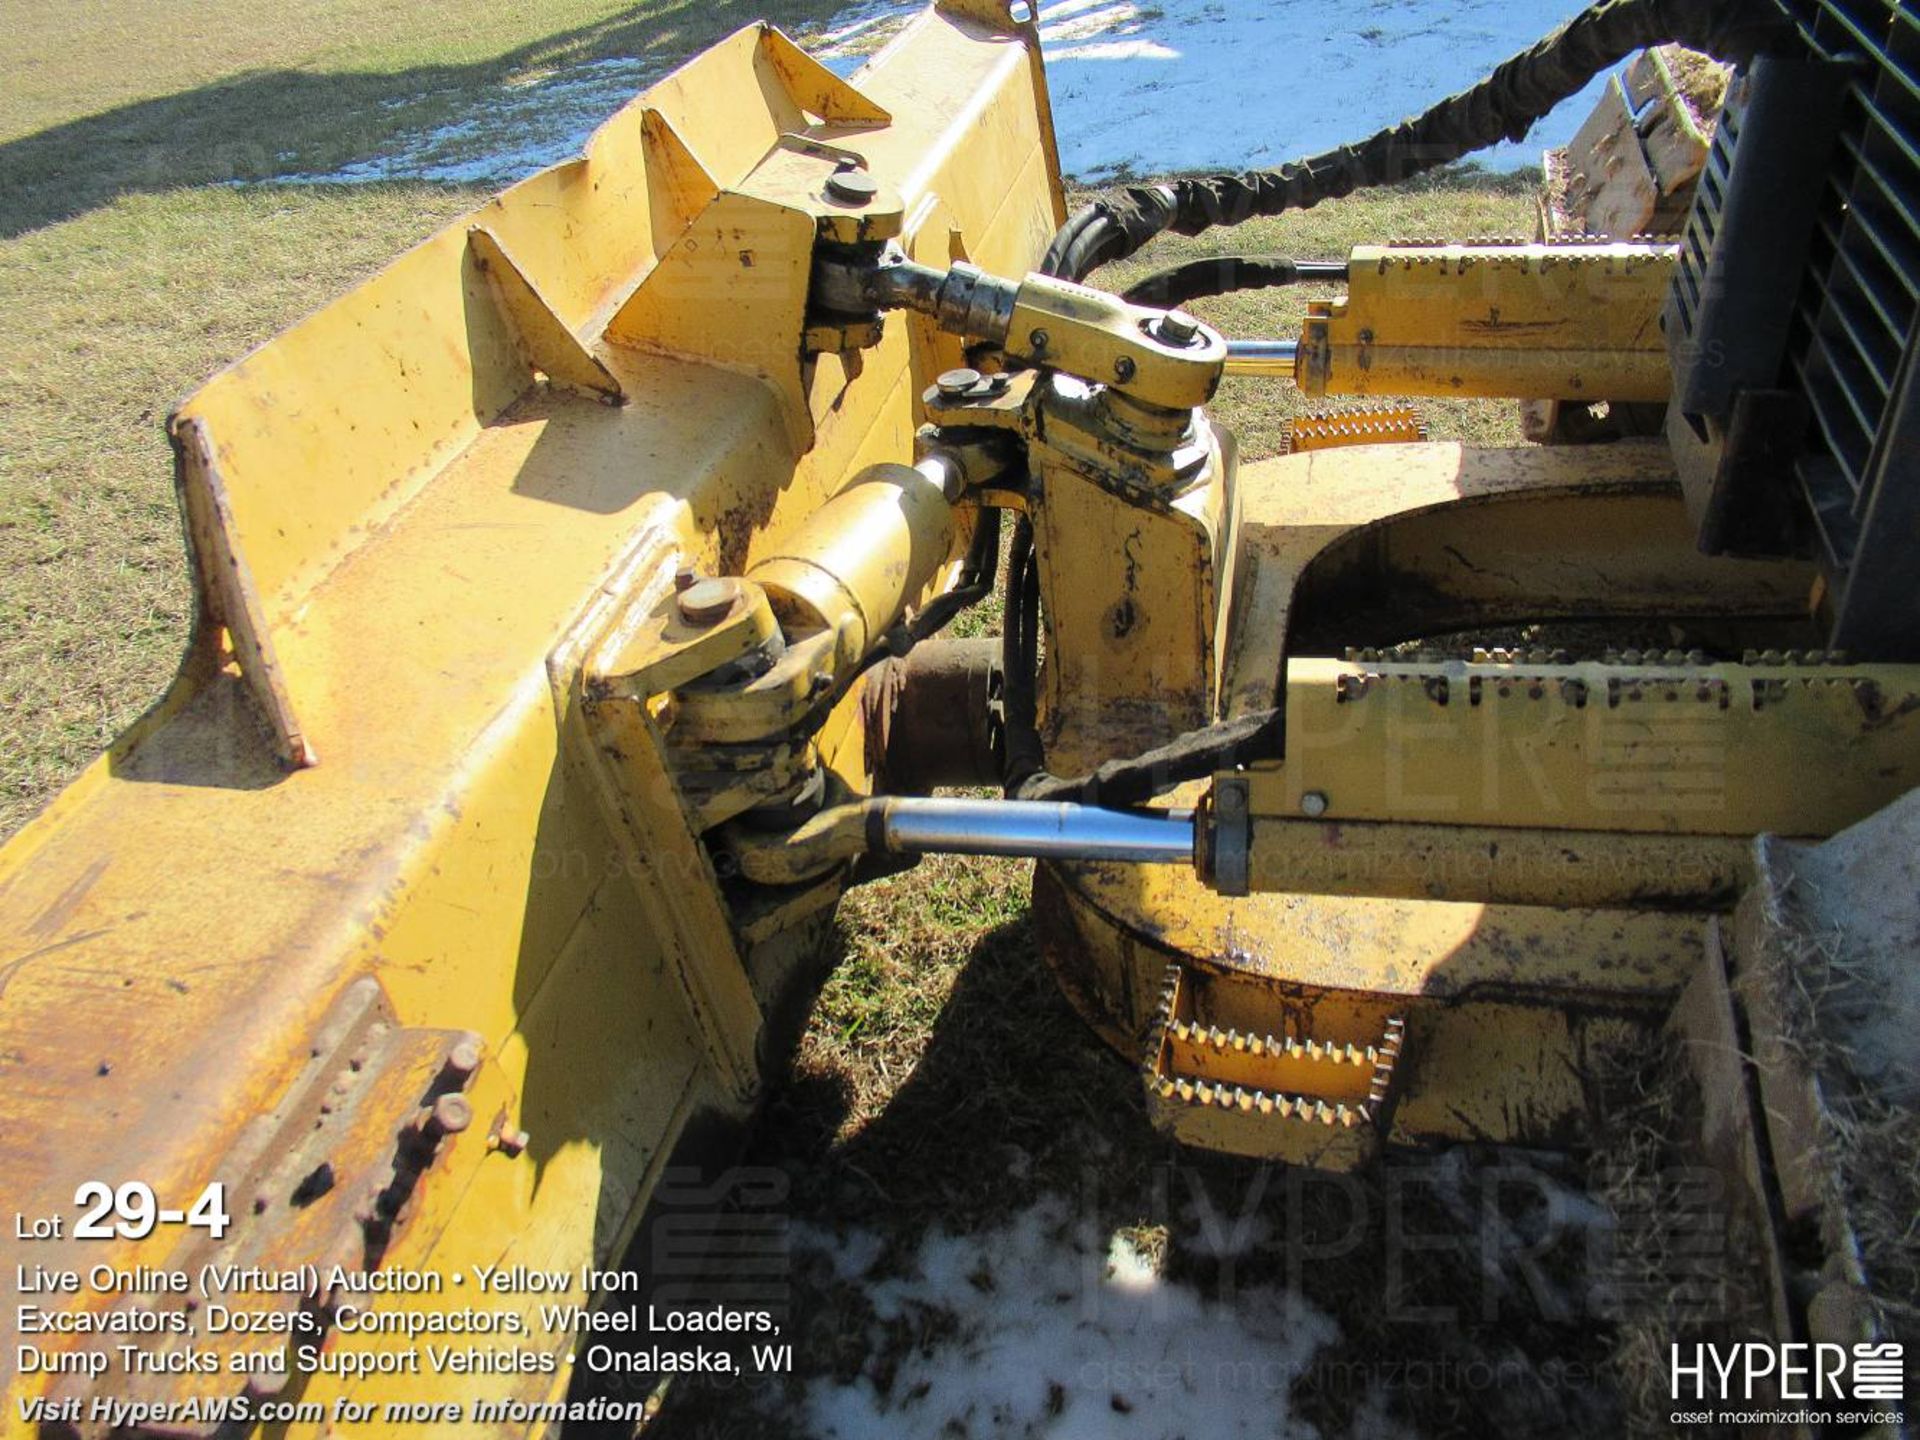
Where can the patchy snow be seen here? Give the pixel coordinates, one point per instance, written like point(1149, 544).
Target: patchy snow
point(511, 131)
point(859, 30)
point(1146, 89)
point(1138, 89)
point(851, 1255)
point(1170, 85)
point(1053, 1331)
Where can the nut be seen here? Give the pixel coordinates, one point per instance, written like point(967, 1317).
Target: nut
point(1176, 327)
point(448, 1115)
point(452, 1114)
point(1313, 804)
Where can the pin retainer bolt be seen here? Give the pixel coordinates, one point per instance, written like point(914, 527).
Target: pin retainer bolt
point(1176, 327)
point(705, 601)
point(852, 187)
point(953, 384)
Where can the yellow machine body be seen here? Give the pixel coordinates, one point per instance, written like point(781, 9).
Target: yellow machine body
point(1557, 321)
point(1470, 875)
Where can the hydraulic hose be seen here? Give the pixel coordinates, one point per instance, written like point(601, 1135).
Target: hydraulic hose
point(1223, 274)
point(1020, 661)
point(1502, 107)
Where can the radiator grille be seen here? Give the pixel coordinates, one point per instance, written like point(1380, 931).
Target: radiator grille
point(1855, 314)
point(1703, 223)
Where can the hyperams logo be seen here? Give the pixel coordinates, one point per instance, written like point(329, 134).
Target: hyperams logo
point(1756, 1383)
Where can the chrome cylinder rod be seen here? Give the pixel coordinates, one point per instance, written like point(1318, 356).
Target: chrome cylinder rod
point(1037, 830)
point(1262, 357)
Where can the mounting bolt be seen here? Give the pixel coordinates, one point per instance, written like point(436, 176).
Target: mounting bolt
point(955, 383)
point(1176, 327)
point(509, 1141)
point(1038, 340)
point(1313, 804)
point(464, 1058)
point(452, 1113)
point(1123, 368)
point(706, 601)
point(449, 1115)
point(852, 187)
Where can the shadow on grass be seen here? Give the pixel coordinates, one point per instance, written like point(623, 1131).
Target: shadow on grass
point(266, 124)
point(1014, 1099)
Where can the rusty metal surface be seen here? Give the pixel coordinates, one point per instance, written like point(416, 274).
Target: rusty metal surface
point(317, 1186)
point(1362, 425)
point(1555, 983)
point(1664, 745)
point(1505, 1007)
point(931, 717)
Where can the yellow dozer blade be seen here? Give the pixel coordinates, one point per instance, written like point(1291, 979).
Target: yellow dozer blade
point(361, 921)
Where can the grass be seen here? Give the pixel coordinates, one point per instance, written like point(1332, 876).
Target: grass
point(1663, 1285)
point(105, 321)
point(1867, 1136)
point(244, 90)
point(73, 62)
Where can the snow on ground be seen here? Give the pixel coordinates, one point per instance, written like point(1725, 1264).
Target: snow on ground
point(1138, 88)
point(1052, 1331)
point(515, 130)
point(1145, 89)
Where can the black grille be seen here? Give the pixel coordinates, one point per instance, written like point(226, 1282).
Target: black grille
point(1854, 327)
point(1863, 283)
point(1794, 318)
point(1703, 224)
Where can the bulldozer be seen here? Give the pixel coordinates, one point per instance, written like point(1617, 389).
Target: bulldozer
point(571, 604)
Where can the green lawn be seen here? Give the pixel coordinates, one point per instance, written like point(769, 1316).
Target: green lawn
point(75, 62)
